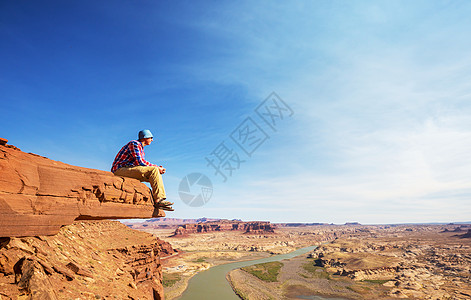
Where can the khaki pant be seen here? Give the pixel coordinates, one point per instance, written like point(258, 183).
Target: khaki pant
point(147, 174)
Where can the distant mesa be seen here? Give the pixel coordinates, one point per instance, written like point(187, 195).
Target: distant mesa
point(300, 224)
point(352, 224)
point(254, 227)
point(39, 195)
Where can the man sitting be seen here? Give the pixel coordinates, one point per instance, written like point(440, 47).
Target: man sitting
point(130, 162)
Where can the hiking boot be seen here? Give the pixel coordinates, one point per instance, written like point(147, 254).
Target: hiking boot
point(164, 203)
point(168, 208)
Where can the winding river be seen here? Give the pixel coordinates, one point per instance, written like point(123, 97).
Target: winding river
point(212, 283)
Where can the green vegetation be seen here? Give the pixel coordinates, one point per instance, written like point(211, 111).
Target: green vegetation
point(169, 279)
point(200, 260)
point(376, 281)
point(317, 272)
point(267, 272)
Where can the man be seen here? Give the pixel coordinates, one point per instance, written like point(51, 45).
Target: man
point(130, 162)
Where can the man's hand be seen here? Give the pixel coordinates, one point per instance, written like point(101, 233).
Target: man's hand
point(162, 170)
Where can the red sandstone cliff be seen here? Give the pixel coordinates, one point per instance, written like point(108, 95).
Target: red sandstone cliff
point(85, 260)
point(39, 195)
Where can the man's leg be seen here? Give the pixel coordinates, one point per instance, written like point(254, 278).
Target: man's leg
point(148, 174)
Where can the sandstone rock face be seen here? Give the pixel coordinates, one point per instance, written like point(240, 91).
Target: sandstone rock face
point(257, 227)
point(39, 195)
point(85, 260)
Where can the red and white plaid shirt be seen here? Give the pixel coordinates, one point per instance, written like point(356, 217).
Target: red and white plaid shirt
point(131, 155)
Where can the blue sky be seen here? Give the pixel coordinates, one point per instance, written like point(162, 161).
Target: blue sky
point(380, 92)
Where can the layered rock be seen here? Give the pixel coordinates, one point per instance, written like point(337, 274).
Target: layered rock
point(39, 195)
point(256, 227)
point(85, 260)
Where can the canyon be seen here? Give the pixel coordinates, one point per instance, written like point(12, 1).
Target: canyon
point(373, 262)
point(59, 240)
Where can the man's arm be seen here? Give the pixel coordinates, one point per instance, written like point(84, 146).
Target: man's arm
point(138, 155)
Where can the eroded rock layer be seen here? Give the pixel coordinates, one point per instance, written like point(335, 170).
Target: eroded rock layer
point(39, 195)
point(256, 227)
point(85, 260)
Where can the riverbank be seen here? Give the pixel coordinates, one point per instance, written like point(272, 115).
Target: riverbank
point(179, 270)
point(199, 252)
point(295, 279)
point(212, 284)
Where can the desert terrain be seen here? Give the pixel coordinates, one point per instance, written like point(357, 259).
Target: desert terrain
point(378, 262)
point(351, 262)
point(200, 251)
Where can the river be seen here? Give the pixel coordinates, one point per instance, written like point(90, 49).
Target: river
point(212, 284)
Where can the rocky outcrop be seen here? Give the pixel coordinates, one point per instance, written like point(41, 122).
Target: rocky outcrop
point(39, 195)
point(257, 227)
point(467, 235)
point(85, 260)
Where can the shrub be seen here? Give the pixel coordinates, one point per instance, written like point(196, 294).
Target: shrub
point(267, 271)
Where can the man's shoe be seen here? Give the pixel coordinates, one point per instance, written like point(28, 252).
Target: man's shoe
point(168, 208)
point(165, 203)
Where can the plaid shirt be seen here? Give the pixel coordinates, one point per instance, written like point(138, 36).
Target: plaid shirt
point(131, 155)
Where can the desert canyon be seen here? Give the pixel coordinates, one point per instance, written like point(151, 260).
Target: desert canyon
point(59, 239)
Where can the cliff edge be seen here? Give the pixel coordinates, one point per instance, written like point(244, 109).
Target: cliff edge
point(39, 195)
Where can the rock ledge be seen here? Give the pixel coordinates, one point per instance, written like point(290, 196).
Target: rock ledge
point(39, 195)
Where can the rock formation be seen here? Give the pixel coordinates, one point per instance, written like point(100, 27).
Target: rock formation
point(256, 227)
point(39, 195)
point(85, 260)
point(467, 235)
point(259, 227)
